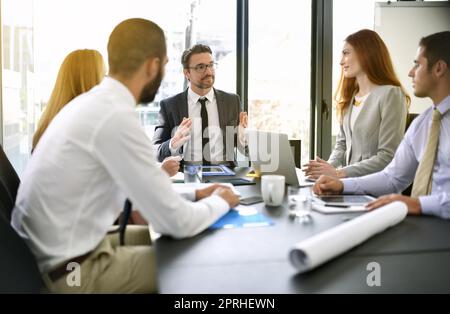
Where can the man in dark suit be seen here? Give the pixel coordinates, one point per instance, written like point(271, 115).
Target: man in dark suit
point(200, 123)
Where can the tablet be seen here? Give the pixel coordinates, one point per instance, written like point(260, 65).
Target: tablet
point(344, 200)
point(217, 170)
point(213, 169)
point(329, 209)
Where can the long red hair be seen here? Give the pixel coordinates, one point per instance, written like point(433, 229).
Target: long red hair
point(375, 61)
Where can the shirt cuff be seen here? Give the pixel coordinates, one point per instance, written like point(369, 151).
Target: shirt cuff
point(430, 205)
point(351, 171)
point(189, 195)
point(187, 192)
point(173, 151)
point(350, 186)
point(241, 136)
point(216, 202)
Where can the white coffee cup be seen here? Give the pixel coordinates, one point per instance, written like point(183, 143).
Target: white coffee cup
point(272, 189)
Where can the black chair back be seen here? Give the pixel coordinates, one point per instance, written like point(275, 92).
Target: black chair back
point(409, 119)
point(18, 269)
point(296, 147)
point(9, 183)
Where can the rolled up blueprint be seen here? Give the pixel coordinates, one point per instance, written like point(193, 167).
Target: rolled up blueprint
point(318, 249)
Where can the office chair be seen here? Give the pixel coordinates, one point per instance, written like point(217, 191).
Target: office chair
point(409, 119)
point(20, 273)
point(9, 183)
point(296, 151)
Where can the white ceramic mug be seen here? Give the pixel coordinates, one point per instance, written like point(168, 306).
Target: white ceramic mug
point(272, 189)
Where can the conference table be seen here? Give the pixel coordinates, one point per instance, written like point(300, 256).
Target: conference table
point(413, 257)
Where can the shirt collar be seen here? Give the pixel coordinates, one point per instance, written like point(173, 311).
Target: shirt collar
point(120, 91)
point(443, 106)
point(194, 97)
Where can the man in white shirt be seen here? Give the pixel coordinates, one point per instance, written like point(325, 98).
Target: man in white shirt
point(94, 155)
point(201, 123)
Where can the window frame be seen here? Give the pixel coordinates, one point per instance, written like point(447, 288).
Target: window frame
point(321, 58)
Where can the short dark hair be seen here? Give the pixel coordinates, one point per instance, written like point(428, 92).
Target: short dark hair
point(436, 47)
point(131, 43)
point(199, 48)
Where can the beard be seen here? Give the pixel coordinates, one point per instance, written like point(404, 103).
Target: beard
point(205, 85)
point(149, 91)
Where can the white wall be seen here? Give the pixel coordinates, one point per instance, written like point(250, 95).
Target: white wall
point(402, 25)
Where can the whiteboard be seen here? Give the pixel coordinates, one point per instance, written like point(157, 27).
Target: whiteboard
point(401, 25)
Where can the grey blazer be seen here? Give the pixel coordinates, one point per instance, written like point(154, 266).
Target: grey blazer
point(378, 130)
point(173, 109)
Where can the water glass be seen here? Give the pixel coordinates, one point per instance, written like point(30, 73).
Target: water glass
point(293, 195)
point(192, 173)
point(300, 203)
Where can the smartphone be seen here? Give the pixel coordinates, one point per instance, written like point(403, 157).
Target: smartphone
point(251, 200)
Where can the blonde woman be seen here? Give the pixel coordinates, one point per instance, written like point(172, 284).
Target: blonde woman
point(80, 71)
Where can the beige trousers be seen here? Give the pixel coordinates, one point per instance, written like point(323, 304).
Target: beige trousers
point(111, 268)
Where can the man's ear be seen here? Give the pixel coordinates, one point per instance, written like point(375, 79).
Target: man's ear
point(153, 65)
point(440, 68)
point(186, 73)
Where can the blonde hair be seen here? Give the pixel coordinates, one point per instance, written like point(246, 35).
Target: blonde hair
point(80, 71)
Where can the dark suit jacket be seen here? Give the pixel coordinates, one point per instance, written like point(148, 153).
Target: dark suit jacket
point(173, 109)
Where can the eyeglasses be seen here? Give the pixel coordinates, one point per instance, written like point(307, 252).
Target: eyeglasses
point(201, 68)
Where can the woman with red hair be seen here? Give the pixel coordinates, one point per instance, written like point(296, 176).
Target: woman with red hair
point(371, 108)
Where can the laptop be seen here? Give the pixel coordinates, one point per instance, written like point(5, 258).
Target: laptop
point(270, 153)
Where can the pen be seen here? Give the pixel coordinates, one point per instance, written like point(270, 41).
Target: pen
point(337, 205)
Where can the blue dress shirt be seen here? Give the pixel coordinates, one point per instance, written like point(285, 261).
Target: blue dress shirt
point(399, 174)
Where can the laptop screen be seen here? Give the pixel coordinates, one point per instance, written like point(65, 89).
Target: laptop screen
point(270, 153)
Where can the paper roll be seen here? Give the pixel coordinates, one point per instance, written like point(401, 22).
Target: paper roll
point(318, 249)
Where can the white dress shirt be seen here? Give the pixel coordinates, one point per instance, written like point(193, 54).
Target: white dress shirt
point(92, 156)
point(193, 148)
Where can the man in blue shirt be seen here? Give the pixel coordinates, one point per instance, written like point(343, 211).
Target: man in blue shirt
point(423, 156)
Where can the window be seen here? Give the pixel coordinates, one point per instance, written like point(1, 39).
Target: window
point(36, 42)
point(18, 74)
point(280, 68)
point(342, 27)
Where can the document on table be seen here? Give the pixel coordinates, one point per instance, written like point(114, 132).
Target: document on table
point(242, 217)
